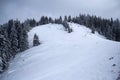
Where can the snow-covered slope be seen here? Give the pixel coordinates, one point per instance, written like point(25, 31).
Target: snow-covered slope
point(79, 55)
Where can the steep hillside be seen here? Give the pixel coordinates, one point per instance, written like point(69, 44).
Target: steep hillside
point(79, 55)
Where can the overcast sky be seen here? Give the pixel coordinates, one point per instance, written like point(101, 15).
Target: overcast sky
point(23, 9)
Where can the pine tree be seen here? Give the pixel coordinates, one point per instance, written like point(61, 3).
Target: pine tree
point(50, 20)
point(60, 20)
point(44, 20)
point(10, 24)
point(13, 39)
point(65, 18)
point(21, 36)
point(67, 27)
point(69, 19)
point(36, 40)
point(32, 22)
point(1, 63)
point(4, 53)
point(24, 39)
point(26, 23)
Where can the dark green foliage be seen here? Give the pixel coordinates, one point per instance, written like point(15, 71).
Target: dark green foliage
point(33, 23)
point(36, 40)
point(13, 39)
point(59, 20)
point(69, 19)
point(43, 20)
point(67, 27)
point(65, 18)
point(22, 38)
point(51, 20)
point(4, 53)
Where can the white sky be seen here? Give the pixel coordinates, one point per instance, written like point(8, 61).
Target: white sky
point(23, 9)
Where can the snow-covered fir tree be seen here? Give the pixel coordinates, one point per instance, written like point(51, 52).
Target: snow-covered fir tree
point(36, 40)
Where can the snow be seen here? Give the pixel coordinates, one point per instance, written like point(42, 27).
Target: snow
point(79, 55)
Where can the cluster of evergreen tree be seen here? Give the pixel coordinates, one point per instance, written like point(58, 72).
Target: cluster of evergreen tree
point(13, 34)
point(107, 27)
point(46, 20)
point(13, 39)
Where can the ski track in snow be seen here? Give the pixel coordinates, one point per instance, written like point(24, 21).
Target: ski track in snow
point(79, 55)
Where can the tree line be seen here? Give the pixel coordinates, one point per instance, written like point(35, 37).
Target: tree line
point(107, 27)
point(14, 38)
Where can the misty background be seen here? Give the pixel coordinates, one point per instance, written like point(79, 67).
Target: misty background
point(23, 9)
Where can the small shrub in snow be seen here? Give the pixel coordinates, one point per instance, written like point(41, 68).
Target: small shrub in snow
point(114, 65)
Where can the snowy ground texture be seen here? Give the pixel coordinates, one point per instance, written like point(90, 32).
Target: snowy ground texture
point(79, 55)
